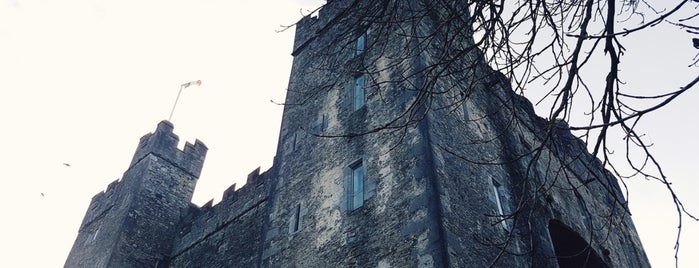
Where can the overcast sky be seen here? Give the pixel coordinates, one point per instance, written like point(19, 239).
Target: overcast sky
point(83, 80)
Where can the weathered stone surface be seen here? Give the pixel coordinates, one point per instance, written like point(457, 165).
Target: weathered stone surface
point(436, 191)
point(135, 221)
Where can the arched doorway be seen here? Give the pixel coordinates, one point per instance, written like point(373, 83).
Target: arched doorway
point(571, 249)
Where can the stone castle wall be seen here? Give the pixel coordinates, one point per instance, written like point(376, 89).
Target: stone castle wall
point(134, 222)
point(227, 234)
point(441, 179)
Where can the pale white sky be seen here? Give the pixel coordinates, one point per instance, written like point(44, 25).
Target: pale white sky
point(83, 80)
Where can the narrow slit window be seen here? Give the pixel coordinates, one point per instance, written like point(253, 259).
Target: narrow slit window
point(356, 197)
point(500, 199)
point(290, 144)
point(359, 94)
point(296, 225)
point(320, 124)
point(94, 236)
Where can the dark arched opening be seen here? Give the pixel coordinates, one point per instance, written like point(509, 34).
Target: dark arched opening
point(571, 249)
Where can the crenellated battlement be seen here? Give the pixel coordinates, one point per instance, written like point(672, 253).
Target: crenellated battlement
point(250, 190)
point(387, 199)
point(230, 192)
point(147, 202)
point(111, 189)
point(102, 202)
point(312, 25)
point(306, 31)
point(163, 142)
point(208, 220)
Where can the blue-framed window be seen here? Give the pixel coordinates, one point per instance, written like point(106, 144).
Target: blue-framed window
point(361, 44)
point(356, 191)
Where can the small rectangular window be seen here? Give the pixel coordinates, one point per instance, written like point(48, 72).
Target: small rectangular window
point(320, 124)
point(359, 95)
point(361, 44)
point(356, 197)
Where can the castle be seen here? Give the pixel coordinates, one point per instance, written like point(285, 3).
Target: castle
point(372, 171)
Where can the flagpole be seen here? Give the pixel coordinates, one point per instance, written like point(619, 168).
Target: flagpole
point(176, 99)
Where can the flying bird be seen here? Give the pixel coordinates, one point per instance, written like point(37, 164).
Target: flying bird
point(66, 164)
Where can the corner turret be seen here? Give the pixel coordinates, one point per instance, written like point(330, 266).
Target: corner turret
point(163, 143)
point(134, 222)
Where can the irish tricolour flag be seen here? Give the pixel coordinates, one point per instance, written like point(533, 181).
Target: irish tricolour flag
point(193, 83)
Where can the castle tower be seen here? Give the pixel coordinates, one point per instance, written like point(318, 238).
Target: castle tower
point(399, 147)
point(391, 156)
point(133, 223)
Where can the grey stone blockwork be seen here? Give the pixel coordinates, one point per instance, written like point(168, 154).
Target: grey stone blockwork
point(422, 195)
